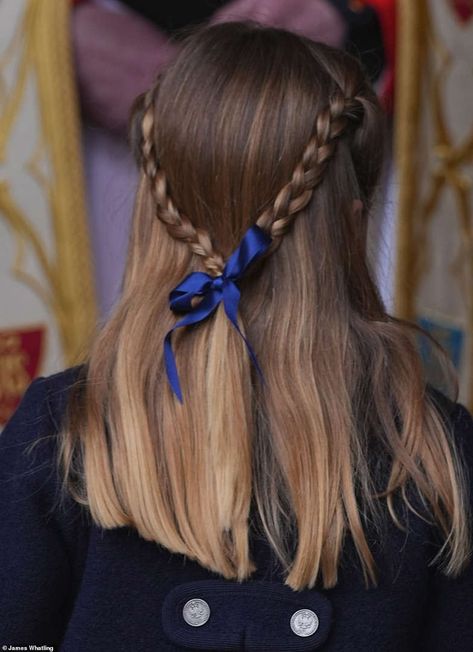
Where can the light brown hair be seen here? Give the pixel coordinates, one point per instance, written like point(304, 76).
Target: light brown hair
point(257, 125)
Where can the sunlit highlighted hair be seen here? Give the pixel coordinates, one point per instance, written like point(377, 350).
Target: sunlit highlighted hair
point(252, 125)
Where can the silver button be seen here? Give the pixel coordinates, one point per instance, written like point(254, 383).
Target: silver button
point(196, 612)
point(304, 622)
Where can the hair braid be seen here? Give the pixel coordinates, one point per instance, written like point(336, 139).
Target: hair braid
point(330, 124)
point(178, 225)
point(276, 220)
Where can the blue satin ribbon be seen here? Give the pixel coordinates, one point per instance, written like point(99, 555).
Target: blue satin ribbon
point(214, 289)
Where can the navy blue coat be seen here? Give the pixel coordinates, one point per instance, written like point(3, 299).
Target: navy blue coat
point(69, 585)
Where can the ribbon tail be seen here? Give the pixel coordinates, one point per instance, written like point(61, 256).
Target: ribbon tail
point(171, 368)
point(205, 308)
point(251, 353)
point(231, 299)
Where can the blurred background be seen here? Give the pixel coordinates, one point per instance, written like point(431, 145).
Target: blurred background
point(69, 72)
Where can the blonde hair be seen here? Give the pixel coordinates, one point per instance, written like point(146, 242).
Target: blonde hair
point(257, 125)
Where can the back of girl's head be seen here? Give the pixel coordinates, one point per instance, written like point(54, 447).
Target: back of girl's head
point(242, 112)
point(236, 110)
point(254, 125)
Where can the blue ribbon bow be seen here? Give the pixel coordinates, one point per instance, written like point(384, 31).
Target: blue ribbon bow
point(214, 289)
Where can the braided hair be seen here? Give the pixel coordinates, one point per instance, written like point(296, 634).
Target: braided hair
point(178, 225)
point(341, 114)
point(253, 127)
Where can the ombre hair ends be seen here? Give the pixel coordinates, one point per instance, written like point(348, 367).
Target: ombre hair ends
point(250, 124)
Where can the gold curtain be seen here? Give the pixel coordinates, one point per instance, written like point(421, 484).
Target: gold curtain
point(46, 275)
point(434, 157)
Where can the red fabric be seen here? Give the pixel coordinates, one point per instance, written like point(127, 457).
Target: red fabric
point(463, 9)
point(21, 353)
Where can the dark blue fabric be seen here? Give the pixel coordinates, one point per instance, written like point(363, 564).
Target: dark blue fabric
point(66, 583)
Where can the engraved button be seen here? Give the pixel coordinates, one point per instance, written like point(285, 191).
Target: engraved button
point(304, 622)
point(196, 612)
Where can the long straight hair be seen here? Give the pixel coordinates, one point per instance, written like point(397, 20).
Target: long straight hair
point(255, 125)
